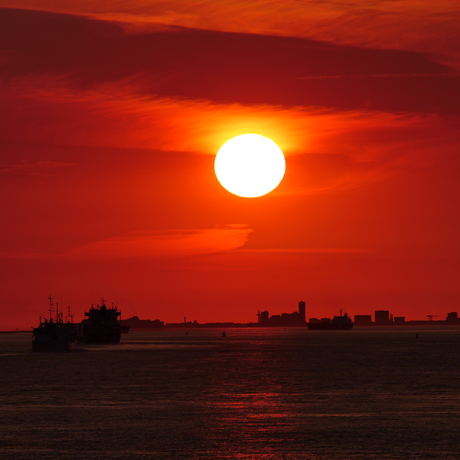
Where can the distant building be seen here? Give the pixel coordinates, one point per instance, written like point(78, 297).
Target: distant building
point(382, 317)
point(264, 318)
point(302, 311)
point(296, 318)
point(363, 320)
point(452, 318)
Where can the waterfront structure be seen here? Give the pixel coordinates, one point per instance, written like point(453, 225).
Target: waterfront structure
point(302, 311)
point(104, 325)
point(363, 320)
point(452, 318)
point(382, 317)
point(297, 318)
point(263, 318)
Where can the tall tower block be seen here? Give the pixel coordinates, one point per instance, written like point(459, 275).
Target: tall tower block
point(302, 311)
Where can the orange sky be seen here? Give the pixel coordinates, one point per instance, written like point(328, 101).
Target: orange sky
point(112, 113)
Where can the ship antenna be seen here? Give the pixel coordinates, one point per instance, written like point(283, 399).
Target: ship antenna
point(69, 315)
point(51, 310)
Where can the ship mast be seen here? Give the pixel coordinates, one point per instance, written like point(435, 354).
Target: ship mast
point(51, 309)
point(69, 315)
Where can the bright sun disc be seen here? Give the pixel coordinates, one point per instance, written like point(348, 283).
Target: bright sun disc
point(250, 165)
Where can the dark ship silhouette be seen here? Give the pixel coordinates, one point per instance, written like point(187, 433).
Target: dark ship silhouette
point(136, 323)
point(337, 323)
point(54, 334)
point(102, 325)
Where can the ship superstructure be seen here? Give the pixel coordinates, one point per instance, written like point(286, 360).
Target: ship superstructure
point(101, 325)
point(341, 322)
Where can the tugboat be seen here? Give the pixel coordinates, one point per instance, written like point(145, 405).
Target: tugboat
point(341, 322)
point(54, 334)
point(101, 325)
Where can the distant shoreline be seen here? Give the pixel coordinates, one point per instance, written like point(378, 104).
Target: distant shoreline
point(14, 332)
point(181, 326)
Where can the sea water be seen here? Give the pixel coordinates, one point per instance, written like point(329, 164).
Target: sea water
point(257, 393)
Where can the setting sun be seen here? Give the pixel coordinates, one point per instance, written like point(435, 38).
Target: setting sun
point(250, 165)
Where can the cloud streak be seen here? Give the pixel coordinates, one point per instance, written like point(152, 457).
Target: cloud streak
point(172, 243)
point(300, 251)
point(425, 26)
point(221, 66)
point(108, 114)
point(350, 148)
point(27, 168)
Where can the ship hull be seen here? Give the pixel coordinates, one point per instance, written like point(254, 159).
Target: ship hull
point(51, 338)
point(100, 337)
point(329, 327)
point(50, 346)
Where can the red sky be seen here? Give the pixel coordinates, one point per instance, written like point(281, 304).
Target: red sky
point(112, 113)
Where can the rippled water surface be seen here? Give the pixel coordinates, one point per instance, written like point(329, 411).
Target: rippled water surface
point(254, 394)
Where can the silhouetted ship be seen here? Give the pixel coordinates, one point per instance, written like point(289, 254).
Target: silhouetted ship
point(337, 323)
point(54, 334)
point(101, 325)
point(136, 323)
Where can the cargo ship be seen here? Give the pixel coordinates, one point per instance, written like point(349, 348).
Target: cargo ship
point(102, 325)
point(54, 334)
point(141, 324)
point(341, 322)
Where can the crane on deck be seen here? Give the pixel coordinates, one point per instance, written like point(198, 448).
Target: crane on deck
point(430, 317)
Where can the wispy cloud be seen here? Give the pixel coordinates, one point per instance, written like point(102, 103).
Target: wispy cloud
point(382, 75)
point(301, 251)
point(332, 148)
point(220, 66)
point(27, 168)
point(170, 243)
point(112, 115)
